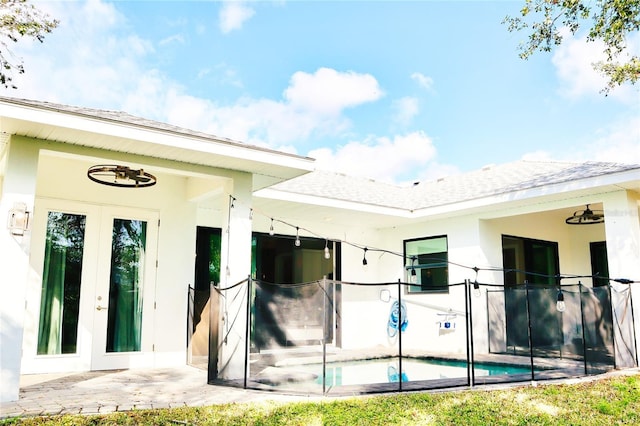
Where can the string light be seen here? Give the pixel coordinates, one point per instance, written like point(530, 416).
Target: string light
point(476, 269)
point(327, 254)
point(476, 289)
point(560, 305)
point(250, 214)
point(414, 277)
point(364, 257)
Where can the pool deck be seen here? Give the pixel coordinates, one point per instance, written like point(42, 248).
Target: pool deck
point(101, 392)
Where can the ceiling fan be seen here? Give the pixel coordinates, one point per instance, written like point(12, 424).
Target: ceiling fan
point(120, 176)
point(586, 217)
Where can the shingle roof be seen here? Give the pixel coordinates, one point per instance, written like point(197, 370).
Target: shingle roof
point(494, 180)
point(128, 119)
point(489, 181)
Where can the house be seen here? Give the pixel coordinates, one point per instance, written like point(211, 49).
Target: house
point(111, 220)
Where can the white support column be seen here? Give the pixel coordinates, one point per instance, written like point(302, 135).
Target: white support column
point(18, 186)
point(235, 265)
point(622, 226)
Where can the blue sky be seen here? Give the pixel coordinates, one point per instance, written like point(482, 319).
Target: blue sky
point(394, 91)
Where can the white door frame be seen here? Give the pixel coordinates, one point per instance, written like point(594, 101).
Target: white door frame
point(101, 359)
point(95, 275)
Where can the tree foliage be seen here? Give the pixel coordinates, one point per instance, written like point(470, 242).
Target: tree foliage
point(18, 18)
point(609, 21)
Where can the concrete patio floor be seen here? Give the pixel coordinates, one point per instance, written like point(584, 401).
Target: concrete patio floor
point(101, 392)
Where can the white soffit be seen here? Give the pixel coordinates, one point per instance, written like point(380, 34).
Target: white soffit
point(52, 124)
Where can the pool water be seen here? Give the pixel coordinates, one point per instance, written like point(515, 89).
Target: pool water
point(387, 371)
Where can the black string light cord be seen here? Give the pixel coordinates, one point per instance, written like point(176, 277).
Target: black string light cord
point(366, 249)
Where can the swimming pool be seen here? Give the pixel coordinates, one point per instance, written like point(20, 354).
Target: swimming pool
point(413, 369)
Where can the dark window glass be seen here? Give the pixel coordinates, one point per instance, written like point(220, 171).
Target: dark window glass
point(599, 263)
point(428, 258)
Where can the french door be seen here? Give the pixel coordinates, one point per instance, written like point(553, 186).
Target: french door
point(91, 303)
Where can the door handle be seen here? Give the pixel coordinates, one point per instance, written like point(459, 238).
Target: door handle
point(99, 308)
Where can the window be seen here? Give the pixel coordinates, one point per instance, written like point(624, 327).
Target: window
point(208, 249)
point(535, 261)
point(428, 258)
point(599, 263)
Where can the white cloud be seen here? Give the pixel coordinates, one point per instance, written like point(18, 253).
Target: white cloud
point(381, 158)
point(423, 81)
point(405, 110)
point(175, 38)
point(328, 91)
point(89, 60)
point(233, 15)
point(574, 60)
point(105, 66)
point(619, 142)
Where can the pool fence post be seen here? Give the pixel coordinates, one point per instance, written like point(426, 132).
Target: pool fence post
point(213, 352)
point(247, 331)
point(324, 335)
point(469, 323)
point(633, 321)
point(400, 334)
point(584, 341)
point(526, 289)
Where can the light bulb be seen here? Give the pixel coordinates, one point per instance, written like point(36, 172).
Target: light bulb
point(414, 277)
point(560, 305)
point(364, 257)
point(271, 232)
point(297, 242)
point(327, 254)
point(476, 289)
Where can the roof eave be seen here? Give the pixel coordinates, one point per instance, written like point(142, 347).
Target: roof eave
point(81, 129)
point(626, 180)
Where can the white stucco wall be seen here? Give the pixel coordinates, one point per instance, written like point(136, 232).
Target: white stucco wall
point(40, 170)
point(622, 223)
point(18, 187)
point(473, 241)
point(235, 265)
point(176, 239)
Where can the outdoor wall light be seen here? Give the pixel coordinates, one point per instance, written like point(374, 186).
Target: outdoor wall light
point(18, 220)
point(560, 305)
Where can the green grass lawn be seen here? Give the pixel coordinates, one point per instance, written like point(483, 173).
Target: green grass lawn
point(611, 401)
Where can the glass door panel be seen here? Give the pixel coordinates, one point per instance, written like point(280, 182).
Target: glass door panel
point(61, 278)
point(124, 298)
point(59, 310)
point(124, 323)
